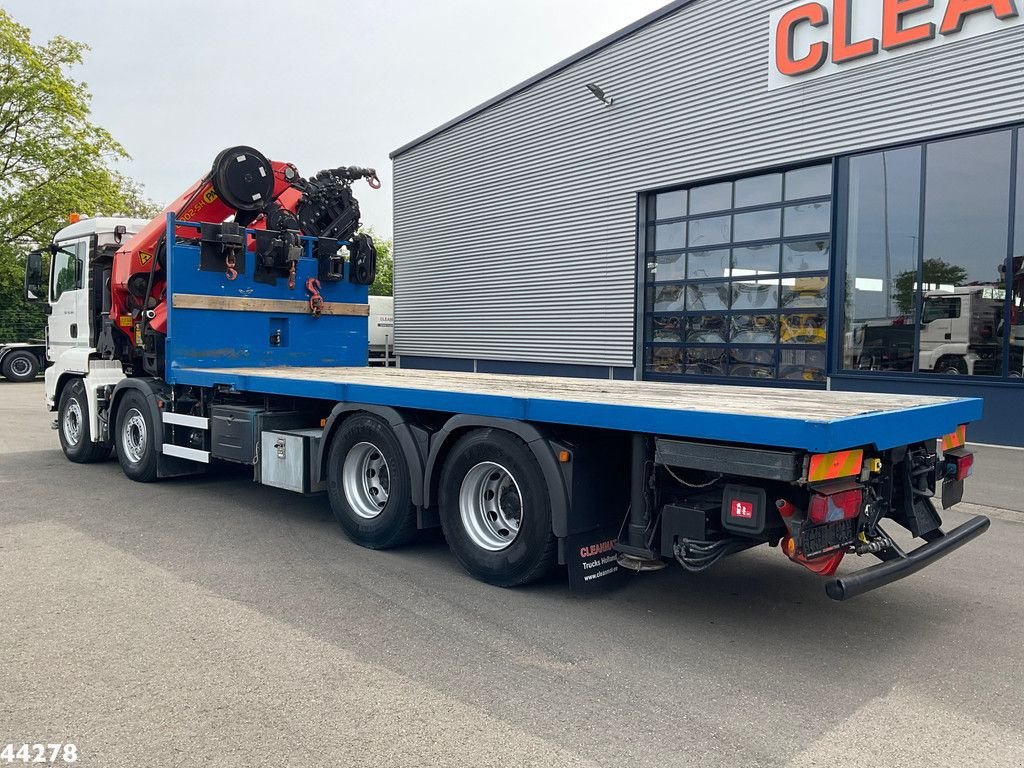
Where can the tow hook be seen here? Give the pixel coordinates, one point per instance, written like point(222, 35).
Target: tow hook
point(865, 547)
point(53, 424)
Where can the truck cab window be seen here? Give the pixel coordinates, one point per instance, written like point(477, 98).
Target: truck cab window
point(940, 308)
point(66, 268)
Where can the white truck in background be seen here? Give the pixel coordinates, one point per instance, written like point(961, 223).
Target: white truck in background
point(382, 331)
point(961, 333)
point(22, 361)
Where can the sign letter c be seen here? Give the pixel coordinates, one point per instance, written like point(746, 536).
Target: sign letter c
point(786, 62)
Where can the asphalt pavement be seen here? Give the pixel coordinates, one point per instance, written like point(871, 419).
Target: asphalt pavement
point(214, 622)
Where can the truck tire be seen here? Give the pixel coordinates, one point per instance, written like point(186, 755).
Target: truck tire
point(134, 438)
point(20, 365)
point(368, 484)
point(496, 510)
point(73, 426)
point(952, 366)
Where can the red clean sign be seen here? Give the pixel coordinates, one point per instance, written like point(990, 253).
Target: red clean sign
point(813, 39)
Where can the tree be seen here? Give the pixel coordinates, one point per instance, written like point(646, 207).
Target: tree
point(53, 160)
point(382, 285)
point(934, 272)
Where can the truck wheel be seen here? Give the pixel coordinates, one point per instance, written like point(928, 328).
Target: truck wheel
point(495, 509)
point(135, 438)
point(20, 366)
point(952, 366)
point(368, 484)
point(73, 426)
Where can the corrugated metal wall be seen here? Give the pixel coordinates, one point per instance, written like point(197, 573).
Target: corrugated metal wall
point(515, 230)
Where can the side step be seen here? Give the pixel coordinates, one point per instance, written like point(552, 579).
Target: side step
point(180, 451)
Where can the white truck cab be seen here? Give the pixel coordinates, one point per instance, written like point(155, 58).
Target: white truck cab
point(81, 257)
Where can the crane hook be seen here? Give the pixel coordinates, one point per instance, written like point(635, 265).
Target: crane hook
point(316, 301)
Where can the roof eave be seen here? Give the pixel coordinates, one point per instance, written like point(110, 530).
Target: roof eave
point(552, 70)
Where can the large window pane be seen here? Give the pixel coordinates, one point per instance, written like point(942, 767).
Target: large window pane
point(966, 226)
point(713, 231)
point(759, 190)
point(705, 264)
point(802, 365)
point(754, 329)
point(670, 205)
point(883, 229)
point(755, 260)
point(808, 219)
point(806, 256)
point(710, 198)
point(804, 292)
point(670, 266)
point(755, 294)
point(707, 297)
point(668, 237)
point(707, 329)
point(756, 225)
point(667, 328)
point(666, 298)
point(809, 182)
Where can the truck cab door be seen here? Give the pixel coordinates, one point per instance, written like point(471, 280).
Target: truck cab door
point(68, 326)
point(937, 332)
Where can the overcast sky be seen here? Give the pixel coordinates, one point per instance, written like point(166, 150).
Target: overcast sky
point(320, 83)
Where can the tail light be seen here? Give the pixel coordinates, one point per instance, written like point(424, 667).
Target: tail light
point(843, 504)
point(959, 464)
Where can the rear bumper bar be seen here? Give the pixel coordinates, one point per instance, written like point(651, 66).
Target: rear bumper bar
point(845, 587)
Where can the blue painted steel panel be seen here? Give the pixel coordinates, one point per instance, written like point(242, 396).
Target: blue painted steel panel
point(884, 429)
point(213, 338)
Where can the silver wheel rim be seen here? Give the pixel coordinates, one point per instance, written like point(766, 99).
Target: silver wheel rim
point(72, 423)
point(21, 365)
point(133, 436)
point(366, 480)
point(491, 506)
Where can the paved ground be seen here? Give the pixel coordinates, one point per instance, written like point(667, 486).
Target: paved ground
point(212, 622)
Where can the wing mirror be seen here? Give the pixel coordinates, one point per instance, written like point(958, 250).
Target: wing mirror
point(33, 276)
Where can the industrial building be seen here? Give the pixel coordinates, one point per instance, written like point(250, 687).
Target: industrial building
point(805, 194)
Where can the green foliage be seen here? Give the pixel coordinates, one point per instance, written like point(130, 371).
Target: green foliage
point(935, 272)
point(53, 161)
point(382, 285)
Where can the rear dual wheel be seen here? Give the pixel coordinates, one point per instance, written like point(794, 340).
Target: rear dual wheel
point(135, 438)
point(368, 484)
point(495, 509)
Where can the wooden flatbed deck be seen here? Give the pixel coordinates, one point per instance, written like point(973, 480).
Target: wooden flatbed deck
point(814, 420)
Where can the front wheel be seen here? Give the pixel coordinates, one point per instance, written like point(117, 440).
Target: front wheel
point(73, 426)
point(495, 509)
point(135, 438)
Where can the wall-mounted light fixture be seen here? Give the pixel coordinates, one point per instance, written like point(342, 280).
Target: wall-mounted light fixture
point(599, 94)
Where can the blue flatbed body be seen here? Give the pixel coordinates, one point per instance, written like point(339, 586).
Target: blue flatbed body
point(812, 420)
point(258, 335)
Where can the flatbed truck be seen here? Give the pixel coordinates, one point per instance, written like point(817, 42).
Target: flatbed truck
point(522, 473)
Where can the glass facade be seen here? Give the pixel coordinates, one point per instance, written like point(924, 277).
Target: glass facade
point(736, 280)
point(932, 253)
point(927, 280)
